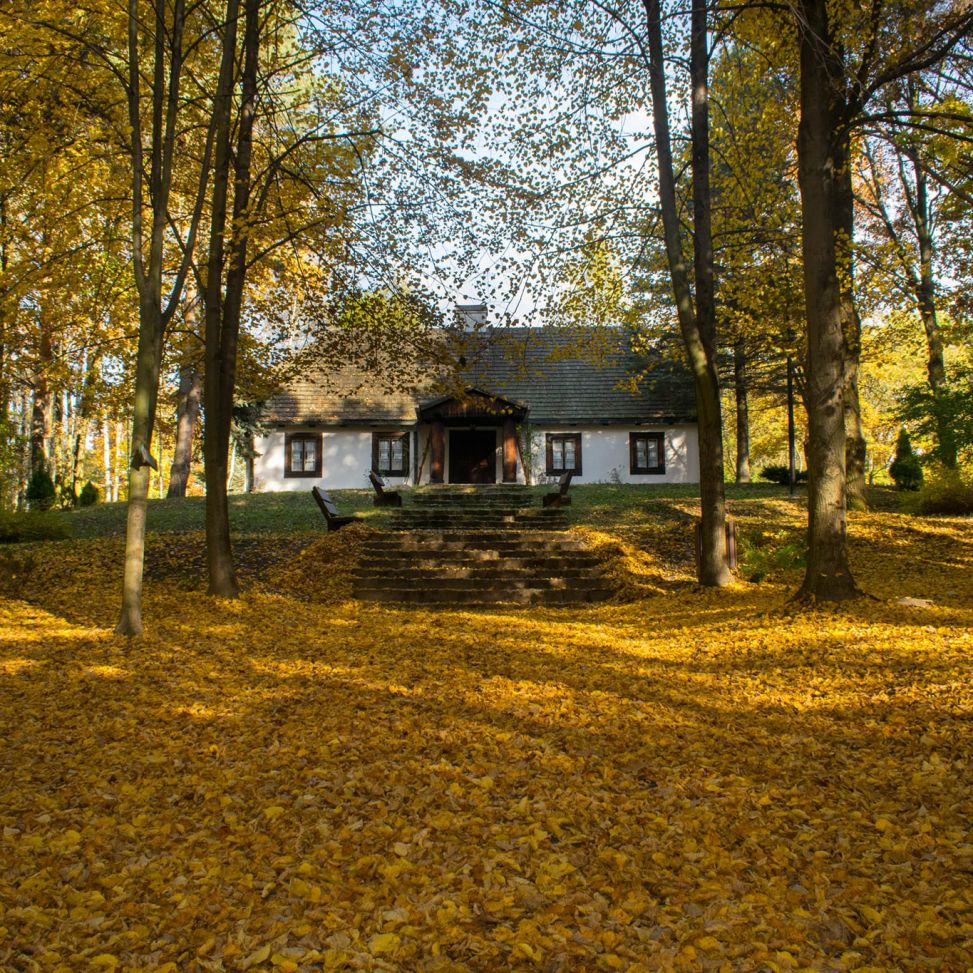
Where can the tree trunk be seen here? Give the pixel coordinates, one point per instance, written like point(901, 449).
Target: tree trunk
point(248, 485)
point(219, 551)
point(148, 257)
point(698, 324)
point(39, 424)
point(742, 387)
point(791, 436)
point(223, 298)
point(147, 368)
point(106, 457)
point(187, 412)
point(856, 449)
point(822, 150)
point(855, 445)
point(160, 480)
point(24, 430)
point(946, 448)
point(41, 413)
point(116, 467)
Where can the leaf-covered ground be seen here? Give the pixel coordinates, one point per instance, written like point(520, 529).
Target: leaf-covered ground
point(688, 780)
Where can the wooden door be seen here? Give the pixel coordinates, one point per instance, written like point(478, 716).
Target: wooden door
point(473, 456)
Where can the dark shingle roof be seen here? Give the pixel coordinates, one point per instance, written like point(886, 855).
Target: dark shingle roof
point(590, 376)
point(563, 377)
point(349, 396)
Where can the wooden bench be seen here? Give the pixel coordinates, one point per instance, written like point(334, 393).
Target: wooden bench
point(330, 511)
point(560, 497)
point(383, 497)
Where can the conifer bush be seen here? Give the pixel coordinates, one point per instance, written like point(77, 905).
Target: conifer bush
point(41, 494)
point(89, 495)
point(906, 469)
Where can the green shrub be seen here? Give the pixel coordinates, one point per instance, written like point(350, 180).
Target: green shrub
point(906, 470)
point(16, 528)
point(41, 494)
point(949, 496)
point(780, 474)
point(89, 495)
point(766, 553)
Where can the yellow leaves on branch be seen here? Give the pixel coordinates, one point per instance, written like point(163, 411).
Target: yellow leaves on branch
point(689, 781)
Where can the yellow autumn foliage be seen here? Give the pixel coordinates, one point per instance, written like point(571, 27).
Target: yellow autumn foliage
point(324, 571)
point(688, 780)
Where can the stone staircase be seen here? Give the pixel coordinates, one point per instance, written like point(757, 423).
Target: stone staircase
point(482, 545)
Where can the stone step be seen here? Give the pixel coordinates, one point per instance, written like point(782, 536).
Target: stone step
point(453, 594)
point(503, 534)
point(529, 560)
point(470, 508)
point(494, 485)
point(407, 575)
point(454, 522)
point(445, 510)
point(462, 541)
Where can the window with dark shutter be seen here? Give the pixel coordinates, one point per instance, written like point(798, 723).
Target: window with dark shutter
point(563, 453)
point(647, 452)
point(390, 453)
point(302, 454)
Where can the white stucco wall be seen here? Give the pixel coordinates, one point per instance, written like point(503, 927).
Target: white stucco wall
point(346, 460)
point(605, 453)
point(347, 457)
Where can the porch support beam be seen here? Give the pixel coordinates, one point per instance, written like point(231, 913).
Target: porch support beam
point(437, 463)
point(509, 451)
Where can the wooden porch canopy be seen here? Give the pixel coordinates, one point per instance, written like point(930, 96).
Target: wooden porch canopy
point(472, 407)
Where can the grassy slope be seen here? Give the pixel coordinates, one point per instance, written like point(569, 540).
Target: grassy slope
point(594, 505)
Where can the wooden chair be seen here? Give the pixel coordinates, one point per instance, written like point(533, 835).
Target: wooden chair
point(383, 497)
point(330, 511)
point(560, 497)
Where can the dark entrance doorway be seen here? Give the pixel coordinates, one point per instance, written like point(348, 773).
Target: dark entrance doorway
point(473, 456)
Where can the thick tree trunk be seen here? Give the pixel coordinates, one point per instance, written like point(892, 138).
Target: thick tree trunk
point(187, 412)
point(224, 298)
point(822, 145)
point(219, 551)
point(698, 324)
point(742, 388)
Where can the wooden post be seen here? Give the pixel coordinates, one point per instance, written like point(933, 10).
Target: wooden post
point(509, 451)
point(438, 461)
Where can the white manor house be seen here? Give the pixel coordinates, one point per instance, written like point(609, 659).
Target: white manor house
point(525, 405)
